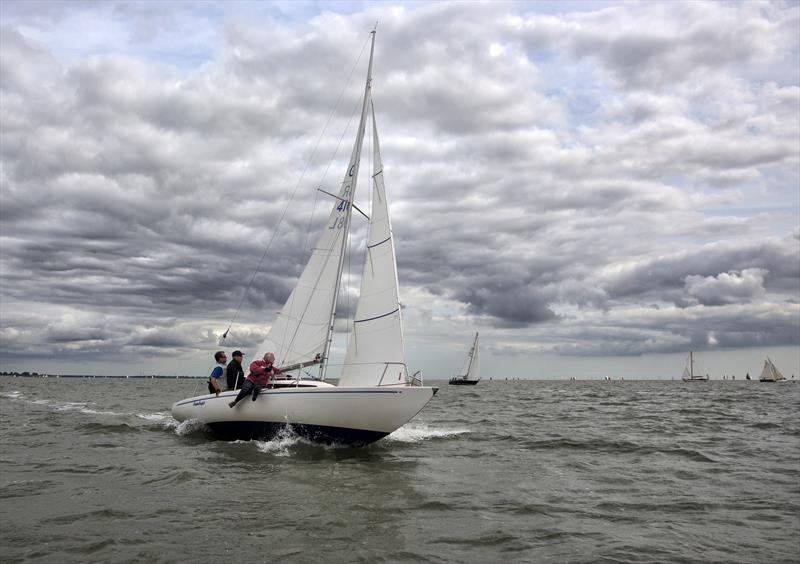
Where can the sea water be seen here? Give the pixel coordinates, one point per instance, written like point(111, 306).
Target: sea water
point(96, 470)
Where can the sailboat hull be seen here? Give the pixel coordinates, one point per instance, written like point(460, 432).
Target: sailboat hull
point(349, 416)
point(462, 382)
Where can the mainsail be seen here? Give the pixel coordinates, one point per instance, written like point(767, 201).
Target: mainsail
point(474, 371)
point(375, 348)
point(301, 332)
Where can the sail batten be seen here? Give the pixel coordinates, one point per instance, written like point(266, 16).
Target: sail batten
point(379, 243)
point(376, 317)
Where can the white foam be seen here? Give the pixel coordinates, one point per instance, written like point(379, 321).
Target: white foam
point(280, 444)
point(96, 412)
point(163, 418)
point(417, 432)
point(188, 427)
point(14, 394)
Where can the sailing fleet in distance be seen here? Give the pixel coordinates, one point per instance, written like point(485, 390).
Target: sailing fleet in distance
point(769, 373)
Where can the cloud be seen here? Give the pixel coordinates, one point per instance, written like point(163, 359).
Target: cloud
point(727, 288)
point(611, 180)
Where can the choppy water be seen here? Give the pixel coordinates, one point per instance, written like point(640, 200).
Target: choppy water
point(517, 471)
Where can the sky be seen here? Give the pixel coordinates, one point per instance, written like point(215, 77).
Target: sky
point(596, 187)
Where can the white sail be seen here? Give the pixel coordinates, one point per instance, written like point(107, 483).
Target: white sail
point(375, 348)
point(474, 371)
point(776, 372)
point(689, 372)
point(770, 372)
point(301, 331)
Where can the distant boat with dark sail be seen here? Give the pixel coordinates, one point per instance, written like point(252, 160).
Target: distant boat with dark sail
point(472, 374)
point(689, 374)
point(770, 372)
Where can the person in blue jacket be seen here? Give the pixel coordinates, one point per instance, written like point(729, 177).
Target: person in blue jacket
point(214, 380)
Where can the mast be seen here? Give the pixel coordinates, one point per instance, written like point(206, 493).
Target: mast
point(691, 365)
point(352, 176)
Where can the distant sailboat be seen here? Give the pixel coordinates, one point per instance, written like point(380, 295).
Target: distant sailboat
point(472, 375)
point(770, 372)
point(688, 371)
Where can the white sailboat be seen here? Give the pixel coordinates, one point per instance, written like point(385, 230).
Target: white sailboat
point(472, 374)
point(688, 371)
point(770, 372)
point(375, 394)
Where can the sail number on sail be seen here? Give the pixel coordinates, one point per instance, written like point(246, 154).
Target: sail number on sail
point(338, 221)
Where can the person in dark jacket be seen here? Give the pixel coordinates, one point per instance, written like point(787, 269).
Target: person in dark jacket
point(260, 373)
point(234, 373)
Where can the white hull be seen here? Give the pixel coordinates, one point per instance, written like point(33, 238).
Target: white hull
point(327, 414)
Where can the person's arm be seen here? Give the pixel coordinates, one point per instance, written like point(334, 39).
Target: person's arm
point(215, 376)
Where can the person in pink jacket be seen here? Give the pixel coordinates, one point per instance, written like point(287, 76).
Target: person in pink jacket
point(260, 373)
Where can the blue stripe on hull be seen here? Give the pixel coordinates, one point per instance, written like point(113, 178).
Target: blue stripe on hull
point(264, 430)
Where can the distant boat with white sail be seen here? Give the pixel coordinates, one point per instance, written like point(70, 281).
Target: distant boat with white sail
point(472, 374)
point(770, 372)
point(689, 373)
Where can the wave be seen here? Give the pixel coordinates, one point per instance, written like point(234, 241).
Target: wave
point(417, 432)
point(162, 419)
point(282, 443)
point(105, 428)
point(617, 447)
point(287, 441)
point(189, 427)
point(25, 488)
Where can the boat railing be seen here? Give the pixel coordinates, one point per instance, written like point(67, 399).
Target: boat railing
point(412, 380)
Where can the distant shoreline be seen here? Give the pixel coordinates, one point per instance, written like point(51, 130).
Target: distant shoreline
point(148, 376)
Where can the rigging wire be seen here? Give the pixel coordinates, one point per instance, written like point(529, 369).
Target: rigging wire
point(294, 192)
